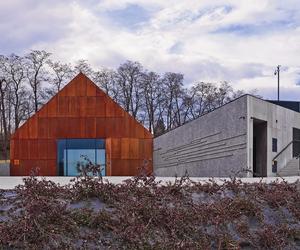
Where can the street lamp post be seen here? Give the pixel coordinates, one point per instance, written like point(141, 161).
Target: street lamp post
point(277, 72)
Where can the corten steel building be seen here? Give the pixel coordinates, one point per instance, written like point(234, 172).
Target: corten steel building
point(80, 120)
point(246, 137)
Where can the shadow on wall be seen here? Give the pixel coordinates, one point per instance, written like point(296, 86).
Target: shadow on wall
point(4, 168)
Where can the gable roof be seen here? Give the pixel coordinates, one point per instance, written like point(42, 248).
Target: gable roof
point(81, 98)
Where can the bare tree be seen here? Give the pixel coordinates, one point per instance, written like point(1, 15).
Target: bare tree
point(61, 74)
point(202, 95)
point(152, 97)
point(106, 80)
point(129, 80)
point(35, 62)
point(160, 127)
point(3, 109)
point(84, 67)
point(14, 70)
point(173, 83)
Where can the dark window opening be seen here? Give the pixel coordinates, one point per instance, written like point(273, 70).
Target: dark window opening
point(296, 142)
point(274, 144)
point(274, 167)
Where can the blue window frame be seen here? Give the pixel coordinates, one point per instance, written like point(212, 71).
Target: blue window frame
point(70, 152)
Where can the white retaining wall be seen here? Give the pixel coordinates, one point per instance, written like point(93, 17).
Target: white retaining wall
point(10, 182)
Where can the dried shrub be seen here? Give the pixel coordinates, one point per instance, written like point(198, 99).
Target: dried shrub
point(141, 213)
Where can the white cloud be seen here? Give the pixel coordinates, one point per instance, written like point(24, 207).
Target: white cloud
point(237, 41)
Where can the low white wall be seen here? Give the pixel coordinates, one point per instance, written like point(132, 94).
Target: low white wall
point(10, 182)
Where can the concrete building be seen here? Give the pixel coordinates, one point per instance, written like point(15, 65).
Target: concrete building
point(246, 137)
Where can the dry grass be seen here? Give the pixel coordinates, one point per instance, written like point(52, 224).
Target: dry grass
point(142, 214)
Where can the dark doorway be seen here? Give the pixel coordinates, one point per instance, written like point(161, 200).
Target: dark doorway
point(296, 144)
point(259, 148)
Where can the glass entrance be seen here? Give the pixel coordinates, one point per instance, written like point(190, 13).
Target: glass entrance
point(71, 153)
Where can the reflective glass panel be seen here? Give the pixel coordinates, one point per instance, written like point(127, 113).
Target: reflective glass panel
point(71, 152)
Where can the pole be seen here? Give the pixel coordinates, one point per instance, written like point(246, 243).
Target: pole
point(277, 72)
point(278, 77)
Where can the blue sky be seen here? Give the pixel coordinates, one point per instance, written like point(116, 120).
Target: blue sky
point(237, 41)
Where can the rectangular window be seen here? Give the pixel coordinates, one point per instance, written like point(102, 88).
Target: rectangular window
point(71, 153)
point(296, 142)
point(274, 144)
point(274, 167)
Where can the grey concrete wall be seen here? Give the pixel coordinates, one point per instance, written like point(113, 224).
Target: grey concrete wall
point(4, 169)
point(280, 123)
point(212, 145)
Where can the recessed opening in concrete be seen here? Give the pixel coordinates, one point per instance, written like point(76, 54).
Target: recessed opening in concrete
point(259, 148)
point(296, 142)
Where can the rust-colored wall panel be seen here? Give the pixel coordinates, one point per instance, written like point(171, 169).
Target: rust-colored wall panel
point(145, 149)
point(100, 106)
point(15, 169)
point(14, 149)
point(77, 128)
point(63, 106)
point(91, 106)
point(15, 135)
point(52, 131)
point(52, 107)
point(110, 126)
point(82, 106)
point(12, 152)
point(74, 128)
point(119, 112)
point(51, 168)
point(119, 127)
point(101, 128)
point(115, 148)
point(90, 129)
point(43, 126)
point(23, 149)
point(100, 92)
point(43, 112)
point(51, 150)
point(125, 167)
point(91, 88)
point(63, 127)
point(109, 108)
point(134, 148)
point(33, 149)
point(148, 148)
point(42, 167)
point(125, 148)
point(81, 86)
point(24, 167)
point(127, 128)
point(138, 132)
point(23, 131)
point(42, 149)
point(119, 167)
point(73, 106)
point(33, 127)
point(69, 90)
point(147, 134)
point(80, 110)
